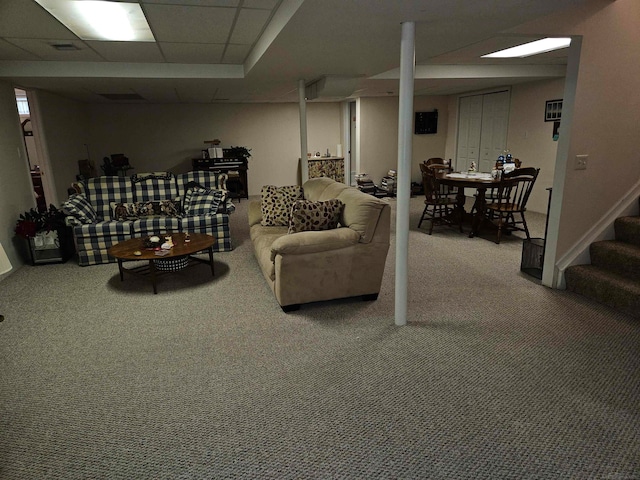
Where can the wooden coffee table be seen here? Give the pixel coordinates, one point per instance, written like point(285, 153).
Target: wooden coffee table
point(126, 251)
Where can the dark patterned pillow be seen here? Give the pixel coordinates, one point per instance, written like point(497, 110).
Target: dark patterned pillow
point(124, 211)
point(314, 216)
point(277, 202)
point(169, 208)
point(79, 207)
point(133, 211)
point(203, 201)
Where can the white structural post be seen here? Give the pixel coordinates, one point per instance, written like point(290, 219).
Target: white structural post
point(304, 165)
point(405, 150)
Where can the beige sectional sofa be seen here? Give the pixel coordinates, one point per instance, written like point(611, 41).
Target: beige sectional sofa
point(312, 266)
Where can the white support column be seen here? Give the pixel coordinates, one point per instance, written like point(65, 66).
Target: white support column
point(407, 72)
point(304, 165)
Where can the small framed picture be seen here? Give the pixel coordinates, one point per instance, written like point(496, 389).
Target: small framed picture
point(553, 110)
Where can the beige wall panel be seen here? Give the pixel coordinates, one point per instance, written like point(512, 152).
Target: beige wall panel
point(379, 135)
point(530, 138)
point(606, 115)
point(167, 137)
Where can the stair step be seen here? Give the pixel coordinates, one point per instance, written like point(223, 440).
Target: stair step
point(627, 229)
point(620, 257)
point(606, 287)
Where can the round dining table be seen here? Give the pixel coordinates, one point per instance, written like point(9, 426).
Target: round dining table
point(481, 182)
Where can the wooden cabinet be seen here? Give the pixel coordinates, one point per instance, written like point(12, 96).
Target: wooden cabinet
point(331, 167)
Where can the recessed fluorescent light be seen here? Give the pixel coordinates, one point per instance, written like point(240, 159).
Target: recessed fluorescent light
point(531, 48)
point(101, 20)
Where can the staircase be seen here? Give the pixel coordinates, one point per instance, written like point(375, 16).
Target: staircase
point(613, 277)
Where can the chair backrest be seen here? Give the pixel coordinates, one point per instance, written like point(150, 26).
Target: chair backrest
point(434, 161)
point(515, 187)
point(437, 167)
point(430, 185)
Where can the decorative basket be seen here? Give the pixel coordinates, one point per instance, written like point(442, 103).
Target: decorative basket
point(172, 264)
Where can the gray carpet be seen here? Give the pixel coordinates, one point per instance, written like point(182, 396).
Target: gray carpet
point(495, 377)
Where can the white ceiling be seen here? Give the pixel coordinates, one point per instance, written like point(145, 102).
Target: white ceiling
point(257, 50)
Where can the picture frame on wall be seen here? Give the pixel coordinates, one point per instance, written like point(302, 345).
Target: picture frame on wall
point(553, 110)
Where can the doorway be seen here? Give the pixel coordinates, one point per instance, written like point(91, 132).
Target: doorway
point(35, 159)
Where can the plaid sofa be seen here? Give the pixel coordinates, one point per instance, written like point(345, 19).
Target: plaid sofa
point(95, 229)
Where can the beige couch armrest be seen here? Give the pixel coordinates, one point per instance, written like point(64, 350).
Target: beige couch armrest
point(312, 242)
point(254, 213)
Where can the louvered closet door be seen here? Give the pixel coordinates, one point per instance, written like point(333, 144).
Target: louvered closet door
point(495, 120)
point(482, 130)
point(469, 129)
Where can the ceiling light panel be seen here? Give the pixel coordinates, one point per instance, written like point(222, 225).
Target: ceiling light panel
point(101, 20)
point(532, 48)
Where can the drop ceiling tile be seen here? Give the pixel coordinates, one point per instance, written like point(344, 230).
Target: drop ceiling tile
point(265, 4)
point(192, 52)
point(29, 20)
point(9, 51)
point(160, 91)
point(249, 25)
point(128, 51)
point(45, 50)
point(236, 54)
point(201, 3)
point(173, 23)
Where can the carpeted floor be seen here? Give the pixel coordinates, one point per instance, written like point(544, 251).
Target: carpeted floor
point(495, 377)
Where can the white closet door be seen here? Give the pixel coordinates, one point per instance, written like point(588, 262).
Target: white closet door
point(495, 119)
point(469, 129)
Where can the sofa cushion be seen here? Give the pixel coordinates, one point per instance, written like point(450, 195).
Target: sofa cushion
point(333, 191)
point(155, 225)
point(314, 187)
point(277, 202)
point(361, 212)
point(79, 207)
point(315, 216)
point(202, 201)
point(204, 178)
point(154, 186)
point(101, 191)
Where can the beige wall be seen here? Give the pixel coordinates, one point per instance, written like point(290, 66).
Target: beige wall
point(606, 114)
point(167, 137)
point(64, 135)
point(16, 191)
point(379, 135)
point(530, 138)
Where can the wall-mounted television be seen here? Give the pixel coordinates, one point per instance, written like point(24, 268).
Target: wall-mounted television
point(426, 122)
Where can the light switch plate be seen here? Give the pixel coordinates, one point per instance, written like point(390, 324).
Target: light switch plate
point(581, 162)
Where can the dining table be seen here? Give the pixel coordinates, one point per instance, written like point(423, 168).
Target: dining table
point(479, 181)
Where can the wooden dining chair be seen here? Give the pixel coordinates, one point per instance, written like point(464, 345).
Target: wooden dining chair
point(513, 193)
point(434, 161)
point(439, 203)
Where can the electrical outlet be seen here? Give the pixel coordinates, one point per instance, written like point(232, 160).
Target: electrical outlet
point(581, 162)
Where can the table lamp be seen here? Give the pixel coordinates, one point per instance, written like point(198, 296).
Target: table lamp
point(5, 266)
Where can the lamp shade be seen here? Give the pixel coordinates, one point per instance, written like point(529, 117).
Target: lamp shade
point(5, 264)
